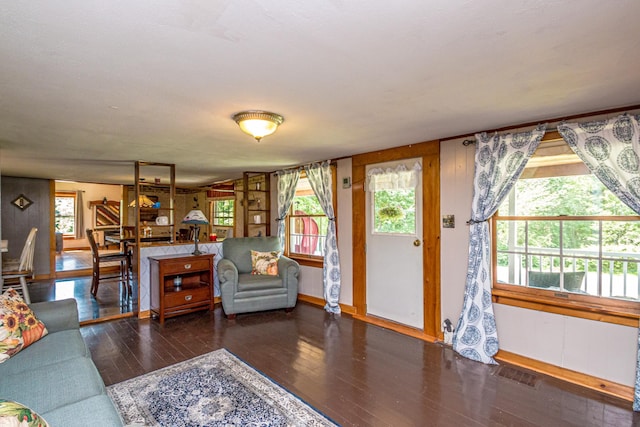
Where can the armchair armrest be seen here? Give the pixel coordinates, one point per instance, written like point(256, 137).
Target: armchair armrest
point(227, 275)
point(228, 278)
point(57, 315)
point(289, 270)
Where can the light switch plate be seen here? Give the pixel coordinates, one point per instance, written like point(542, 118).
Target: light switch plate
point(448, 221)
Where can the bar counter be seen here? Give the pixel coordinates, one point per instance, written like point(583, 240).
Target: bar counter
point(178, 248)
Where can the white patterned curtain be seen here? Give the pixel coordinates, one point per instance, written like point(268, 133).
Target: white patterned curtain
point(287, 182)
point(319, 176)
point(499, 162)
point(79, 231)
point(400, 178)
point(611, 150)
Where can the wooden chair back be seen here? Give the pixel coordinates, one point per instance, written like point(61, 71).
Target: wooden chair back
point(28, 251)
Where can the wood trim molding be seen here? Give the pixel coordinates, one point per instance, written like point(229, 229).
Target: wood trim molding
point(571, 306)
point(347, 309)
point(604, 386)
point(106, 319)
point(396, 327)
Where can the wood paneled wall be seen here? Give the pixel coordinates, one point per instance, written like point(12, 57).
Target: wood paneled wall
point(16, 223)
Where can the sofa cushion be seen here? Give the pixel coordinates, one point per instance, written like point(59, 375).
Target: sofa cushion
point(46, 388)
point(264, 263)
point(19, 327)
point(51, 349)
point(15, 414)
point(95, 411)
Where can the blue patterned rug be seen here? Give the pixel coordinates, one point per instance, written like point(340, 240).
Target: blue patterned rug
point(216, 389)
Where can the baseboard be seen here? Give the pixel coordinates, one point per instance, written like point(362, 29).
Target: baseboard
point(144, 314)
point(348, 309)
point(604, 386)
point(396, 327)
point(105, 319)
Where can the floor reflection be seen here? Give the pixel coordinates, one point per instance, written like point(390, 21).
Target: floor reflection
point(112, 298)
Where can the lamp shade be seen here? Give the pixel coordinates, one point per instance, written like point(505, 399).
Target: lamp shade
point(145, 202)
point(195, 216)
point(258, 123)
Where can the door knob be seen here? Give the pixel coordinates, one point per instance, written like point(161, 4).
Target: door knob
point(416, 242)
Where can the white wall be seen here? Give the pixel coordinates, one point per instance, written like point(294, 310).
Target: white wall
point(310, 282)
point(601, 349)
point(91, 192)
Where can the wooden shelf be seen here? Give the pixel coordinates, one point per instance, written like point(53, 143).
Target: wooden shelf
point(167, 204)
point(258, 201)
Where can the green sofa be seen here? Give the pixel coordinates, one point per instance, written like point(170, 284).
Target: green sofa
point(55, 376)
point(243, 292)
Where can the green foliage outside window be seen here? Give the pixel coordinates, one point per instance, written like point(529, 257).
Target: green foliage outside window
point(582, 195)
point(394, 211)
point(223, 213)
point(65, 215)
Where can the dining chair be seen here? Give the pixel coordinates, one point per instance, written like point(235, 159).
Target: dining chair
point(98, 258)
point(22, 268)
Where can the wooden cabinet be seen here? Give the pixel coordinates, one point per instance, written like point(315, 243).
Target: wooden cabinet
point(257, 204)
point(180, 284)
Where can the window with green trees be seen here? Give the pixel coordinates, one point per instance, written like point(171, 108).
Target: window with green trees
point(394, 211)
point(561, 230)
point(223, 213)
point(65, 213)
point(307, 225)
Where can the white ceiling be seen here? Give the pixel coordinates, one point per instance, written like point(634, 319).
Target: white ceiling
point(89, 86)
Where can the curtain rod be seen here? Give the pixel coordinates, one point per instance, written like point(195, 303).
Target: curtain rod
point(468, 142)
point(631, 109)
point(332, 162)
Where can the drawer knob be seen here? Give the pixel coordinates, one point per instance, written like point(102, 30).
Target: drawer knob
point(187, 266)
point(188, 297)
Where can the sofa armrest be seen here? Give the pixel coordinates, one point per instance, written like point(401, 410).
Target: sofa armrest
point(57, 315)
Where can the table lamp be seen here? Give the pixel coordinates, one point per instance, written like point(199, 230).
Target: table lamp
point(196, 218)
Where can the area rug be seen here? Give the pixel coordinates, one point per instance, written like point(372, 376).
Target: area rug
point(215, 389)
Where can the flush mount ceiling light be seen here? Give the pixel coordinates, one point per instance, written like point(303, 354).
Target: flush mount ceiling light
point(258, 123)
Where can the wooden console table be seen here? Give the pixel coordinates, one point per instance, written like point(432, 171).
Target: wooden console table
point(180, 284)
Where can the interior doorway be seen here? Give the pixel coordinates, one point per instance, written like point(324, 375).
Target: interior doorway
point(394, 242)
point(429, 153)
point(72, 261)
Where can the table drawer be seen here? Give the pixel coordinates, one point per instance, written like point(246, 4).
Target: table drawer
point(181, 266)
point(186, 297)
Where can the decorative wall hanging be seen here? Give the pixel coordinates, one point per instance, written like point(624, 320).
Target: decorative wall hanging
point(22, 202)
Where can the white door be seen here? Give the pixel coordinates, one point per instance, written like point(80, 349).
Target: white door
point(394, 248)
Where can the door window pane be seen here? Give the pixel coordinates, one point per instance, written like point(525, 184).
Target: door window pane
point(394, 211)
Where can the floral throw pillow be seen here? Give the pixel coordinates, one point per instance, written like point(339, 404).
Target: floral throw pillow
point(15, 414)
point(19, 327)
point(265, 263)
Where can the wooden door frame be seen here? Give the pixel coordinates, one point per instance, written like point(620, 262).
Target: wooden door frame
point(430, 153)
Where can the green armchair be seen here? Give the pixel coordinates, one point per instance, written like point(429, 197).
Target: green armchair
point(243, 292)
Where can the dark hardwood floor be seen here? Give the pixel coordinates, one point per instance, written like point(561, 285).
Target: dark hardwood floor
point(356, 373)
point(111, 300)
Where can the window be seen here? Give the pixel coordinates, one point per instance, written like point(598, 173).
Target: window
point(307, 224)
point(565, 243)
point(394, 211)
point(223, 212)
point(65, 214)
